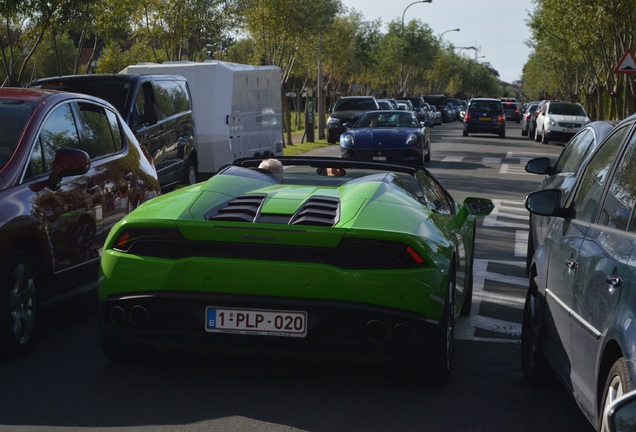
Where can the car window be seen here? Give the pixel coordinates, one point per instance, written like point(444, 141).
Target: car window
point(58, 132)
point(566, 109)
point(172, 98)
point(433, 193)
point(621, 194)
point(98, 136)
point(593, 181)
point(14, 116)
point(575, 152)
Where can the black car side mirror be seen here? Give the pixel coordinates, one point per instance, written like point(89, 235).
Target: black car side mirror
point(541, 165)
point(544, 202)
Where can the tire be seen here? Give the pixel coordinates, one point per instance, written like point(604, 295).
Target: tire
point(536, 371)
point(442, 355)
point(502, 134)
point(427, 156)
point(468, 299)
point(529, 252)
point(524, 132)
point(537, 137)
point(190, 175)
point(544, 137)
point(19, 307)
point(616, 385)
point(530, 134)
point(465, 133)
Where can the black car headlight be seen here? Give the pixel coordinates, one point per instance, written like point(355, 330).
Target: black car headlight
point(331, 121)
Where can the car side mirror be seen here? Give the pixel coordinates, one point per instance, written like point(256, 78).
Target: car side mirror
point(541, 165)
point(544, 202)
point(479, 206)
point(621, 414)
point(68, 162)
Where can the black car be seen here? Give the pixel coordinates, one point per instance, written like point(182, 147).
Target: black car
point(70, 169)
point(158, 109)
point(578, 320)
point(348, 109)
point(512, 110)
point(485, 115)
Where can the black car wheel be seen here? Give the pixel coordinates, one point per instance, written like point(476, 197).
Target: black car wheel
point(427, 156)
point(535, 368)
point(19, 311)
point(465, 133)
point(191, 175)
point(502, 134)
point(524, 132)
point(537, 137)
point(616, 385)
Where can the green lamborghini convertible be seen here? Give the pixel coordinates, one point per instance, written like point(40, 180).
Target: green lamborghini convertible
point(341, 259)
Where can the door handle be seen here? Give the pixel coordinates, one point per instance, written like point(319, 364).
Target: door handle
point(570, 263)
point(614, 281)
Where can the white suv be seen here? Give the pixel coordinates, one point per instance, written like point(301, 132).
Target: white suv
point(559, 121)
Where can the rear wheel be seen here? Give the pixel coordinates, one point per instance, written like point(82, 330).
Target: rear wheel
point(19, 311)
point(544, 137)
point(427, 156)
point(502, 134)
point(537, 137)
point(465, 133)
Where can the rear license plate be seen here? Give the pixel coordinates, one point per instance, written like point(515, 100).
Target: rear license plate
point(485, 118)
point(256, 322)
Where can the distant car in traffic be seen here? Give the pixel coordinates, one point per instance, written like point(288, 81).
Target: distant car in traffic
point(511, 109)
point(70, 168)
point(485, 115)
point(527, 116)
point(559, 121)
point(387, 135)
point(578, 320)
point(348, 109)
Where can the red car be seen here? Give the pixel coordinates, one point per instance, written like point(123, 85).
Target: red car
point(70, 168)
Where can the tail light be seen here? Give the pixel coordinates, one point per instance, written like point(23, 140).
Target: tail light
point(501, 118)
point(467, 117)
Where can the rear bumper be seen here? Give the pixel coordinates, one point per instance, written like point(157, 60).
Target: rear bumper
point(335, 330)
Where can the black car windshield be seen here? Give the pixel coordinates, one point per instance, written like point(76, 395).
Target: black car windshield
point(387, 120)
point(566, 109)
point(355, 105)
point(486, 106)
point(114, 91)
point(14, 116)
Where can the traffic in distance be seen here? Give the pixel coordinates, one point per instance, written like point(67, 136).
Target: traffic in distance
point(366, 256)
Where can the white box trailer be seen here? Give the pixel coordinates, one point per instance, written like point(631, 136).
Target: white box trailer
point(237, 109)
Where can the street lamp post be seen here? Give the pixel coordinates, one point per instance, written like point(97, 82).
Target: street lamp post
point(403, 84)
point(444, 32)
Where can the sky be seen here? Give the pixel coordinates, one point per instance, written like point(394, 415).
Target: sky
point(497, 27)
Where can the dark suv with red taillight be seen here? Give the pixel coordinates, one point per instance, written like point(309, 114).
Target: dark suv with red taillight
point(485, 115)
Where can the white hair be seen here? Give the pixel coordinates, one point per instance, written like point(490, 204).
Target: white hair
point(274, 166)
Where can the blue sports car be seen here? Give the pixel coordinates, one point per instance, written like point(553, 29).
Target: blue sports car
point(394, 135)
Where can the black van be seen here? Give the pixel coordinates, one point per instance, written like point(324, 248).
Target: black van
point(158, 109)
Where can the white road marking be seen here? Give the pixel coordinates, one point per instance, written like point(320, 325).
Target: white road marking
point(453, 159)
point(521, 243)
point(465, 328)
